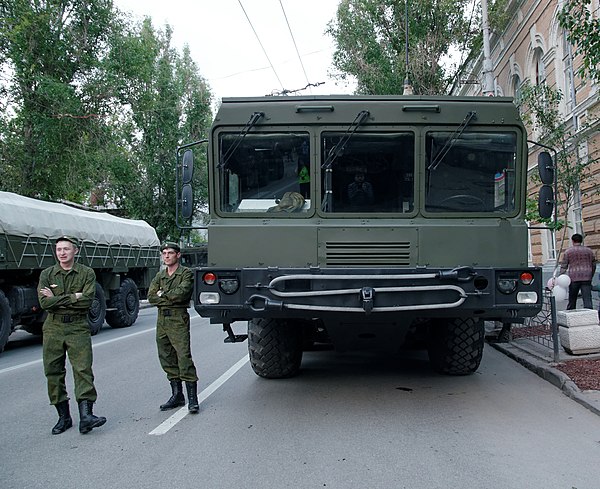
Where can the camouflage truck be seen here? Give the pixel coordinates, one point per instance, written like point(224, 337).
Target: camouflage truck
point(435, 244)
point(124, 254)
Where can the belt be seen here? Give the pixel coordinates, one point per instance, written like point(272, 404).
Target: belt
point(68, 318)
point(170, 312)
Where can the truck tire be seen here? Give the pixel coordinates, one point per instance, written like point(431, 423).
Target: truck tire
point(5, 321)
point(456, 345)
point(97, 311)
point(274, 347)
point(126, 304)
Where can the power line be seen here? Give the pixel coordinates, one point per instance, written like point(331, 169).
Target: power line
point(295, 46)
point(261, 44)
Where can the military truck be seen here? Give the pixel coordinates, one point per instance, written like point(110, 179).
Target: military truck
point(412, 234)
point(124, 253)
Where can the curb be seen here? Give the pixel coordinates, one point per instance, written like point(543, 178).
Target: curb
point(548, 373)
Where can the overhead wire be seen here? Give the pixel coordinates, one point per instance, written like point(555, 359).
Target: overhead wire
point(295, 45)
point(261, 45)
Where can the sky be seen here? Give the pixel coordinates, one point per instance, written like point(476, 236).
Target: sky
point(223, 37)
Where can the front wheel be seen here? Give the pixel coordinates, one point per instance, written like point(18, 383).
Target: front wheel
point(275, 347)
point(97, 311)
point(456, 345)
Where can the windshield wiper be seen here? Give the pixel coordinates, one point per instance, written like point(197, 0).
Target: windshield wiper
point(336, 151)
point(254, 118)
point(453, 137)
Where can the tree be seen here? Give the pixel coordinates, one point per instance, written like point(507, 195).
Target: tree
point(369, 36)
point(94, 105)
point(53, 129)
point(168, 103)
point(583, 31)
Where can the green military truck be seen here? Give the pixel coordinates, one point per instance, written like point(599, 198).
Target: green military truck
point(124, 253)
point(410, 233)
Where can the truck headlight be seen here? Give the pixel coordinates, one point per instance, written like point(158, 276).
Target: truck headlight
point(229, 285)
point(507, 285)
point(209, 298)
point(527, 298)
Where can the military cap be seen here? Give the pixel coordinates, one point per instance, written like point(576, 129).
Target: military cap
point(70, 239)
point(170, 244)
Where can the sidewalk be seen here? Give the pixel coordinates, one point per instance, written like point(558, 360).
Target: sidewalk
point(540, 360)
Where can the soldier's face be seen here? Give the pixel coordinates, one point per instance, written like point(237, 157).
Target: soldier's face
point(170, 256)
point(65, 252)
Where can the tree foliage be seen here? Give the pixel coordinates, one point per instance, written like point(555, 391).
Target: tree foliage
point(583, 31)
point(369, 38)
point(53, 131)
point(539, 106)
point(94, 105)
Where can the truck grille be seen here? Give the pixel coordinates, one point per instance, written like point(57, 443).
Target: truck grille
point(368, 253)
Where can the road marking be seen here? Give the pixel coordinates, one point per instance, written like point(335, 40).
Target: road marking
point(94, 345)
point(166, 425)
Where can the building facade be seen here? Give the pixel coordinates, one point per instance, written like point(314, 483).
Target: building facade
point(534, 48)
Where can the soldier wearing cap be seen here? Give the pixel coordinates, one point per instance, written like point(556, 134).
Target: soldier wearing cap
point(171, 291)
point(66, 291)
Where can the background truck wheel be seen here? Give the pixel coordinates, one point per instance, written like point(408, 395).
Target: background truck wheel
point(275, 347)
point(97, 312)
point(456, 345)
point(5, 321)
point(126, 302)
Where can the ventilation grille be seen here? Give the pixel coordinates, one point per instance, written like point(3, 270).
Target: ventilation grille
point(368, 253)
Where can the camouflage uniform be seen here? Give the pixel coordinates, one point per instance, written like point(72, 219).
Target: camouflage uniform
point(173, 323)
point(66, 330)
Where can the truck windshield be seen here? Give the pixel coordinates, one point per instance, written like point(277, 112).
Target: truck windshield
point(266, 172)
point(476, 172)
point(373, 173)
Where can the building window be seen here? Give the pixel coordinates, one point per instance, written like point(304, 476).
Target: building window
point(516, 89)
point(540, 69)
point(569, 87)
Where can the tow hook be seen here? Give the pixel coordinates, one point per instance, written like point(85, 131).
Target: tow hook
point(461, 274)
point(260, 303)
point(367, 297)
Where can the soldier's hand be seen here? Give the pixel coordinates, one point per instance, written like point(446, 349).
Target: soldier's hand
point(160, 293)
point(47, 292)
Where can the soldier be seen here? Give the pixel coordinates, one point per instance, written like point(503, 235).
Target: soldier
point(171, 291)
point(66, 290)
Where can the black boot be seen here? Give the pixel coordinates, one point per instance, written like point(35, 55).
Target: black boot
point(192, 392)
point(87, 420)
point(176, 398)
point(64, 418)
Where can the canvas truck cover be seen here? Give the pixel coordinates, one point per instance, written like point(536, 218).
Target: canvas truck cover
point(26, 217)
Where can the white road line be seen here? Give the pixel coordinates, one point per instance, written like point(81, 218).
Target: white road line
point(94, 345)
point(166, 425)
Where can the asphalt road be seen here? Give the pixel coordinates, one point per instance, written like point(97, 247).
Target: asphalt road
point(348, 421)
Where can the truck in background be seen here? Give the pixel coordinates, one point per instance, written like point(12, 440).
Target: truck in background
point(412, 232)
point(124, 253)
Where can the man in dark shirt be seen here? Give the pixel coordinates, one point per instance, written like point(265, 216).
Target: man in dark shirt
point(66, 290)
point(579, 262)
point(171, 291)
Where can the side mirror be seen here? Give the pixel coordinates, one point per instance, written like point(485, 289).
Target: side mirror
point(546, 201)
point(546, 168)
point(187, 201)
point(187, 166)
